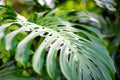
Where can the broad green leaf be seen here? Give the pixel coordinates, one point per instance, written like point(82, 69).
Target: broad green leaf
point(77, 53)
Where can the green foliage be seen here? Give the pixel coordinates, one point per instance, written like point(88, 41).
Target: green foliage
point(5, 12)
point(55, 46)
point(108, 4)
point(111, 34)
point(9, 71)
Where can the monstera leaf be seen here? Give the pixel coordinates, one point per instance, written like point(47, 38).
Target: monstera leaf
point(57, 46)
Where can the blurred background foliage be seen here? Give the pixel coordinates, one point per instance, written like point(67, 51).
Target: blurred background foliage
point(104, 16)
point(28, 6)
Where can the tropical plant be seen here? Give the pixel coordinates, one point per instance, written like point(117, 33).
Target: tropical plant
point(54, 46)
point(80, 52)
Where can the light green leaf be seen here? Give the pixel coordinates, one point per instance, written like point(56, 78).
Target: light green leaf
point(75, 53)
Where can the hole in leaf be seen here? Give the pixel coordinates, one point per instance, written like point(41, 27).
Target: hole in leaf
point(53, 41)
point(60, 25)
point(36, 28)
point(61, 44)
point(58, 52)
point(50, 35)
point(68, 56)
point(58, 30)
point(46, 33)
point(69, 49)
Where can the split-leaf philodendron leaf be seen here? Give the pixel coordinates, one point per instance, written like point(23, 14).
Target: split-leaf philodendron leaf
point(63, 48)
